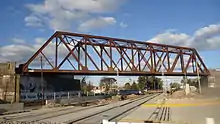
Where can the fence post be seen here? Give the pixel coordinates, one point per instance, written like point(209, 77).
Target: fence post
point(79, 95)
point(54, 95)
point(105, 122)
point(45, 95)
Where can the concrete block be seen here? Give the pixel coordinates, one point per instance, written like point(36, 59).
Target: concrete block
point(187, 89)
point(11, 107)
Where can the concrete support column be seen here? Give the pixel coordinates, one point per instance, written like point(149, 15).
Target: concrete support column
point(17, 88)
point(204, 81)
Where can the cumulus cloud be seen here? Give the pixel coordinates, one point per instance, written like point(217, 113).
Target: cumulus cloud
point(171, 38)
point(20, 53)
point(33, 21)
point(123, 25)
point(18, 40)
point(96, 23)
point(17, 53)
point(40, 40)
point(206, 38)
point(63, 14)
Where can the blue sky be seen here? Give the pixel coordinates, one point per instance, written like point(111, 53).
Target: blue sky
point(26, 23)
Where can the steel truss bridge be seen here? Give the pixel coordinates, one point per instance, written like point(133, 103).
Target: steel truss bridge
point(83, 54)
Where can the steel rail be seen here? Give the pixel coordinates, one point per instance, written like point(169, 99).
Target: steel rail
point(94, 115)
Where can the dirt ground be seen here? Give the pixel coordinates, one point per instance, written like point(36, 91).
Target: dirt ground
point(207, 95)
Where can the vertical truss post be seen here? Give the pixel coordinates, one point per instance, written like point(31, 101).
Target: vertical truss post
point(168, 60)
point(56, 53)
point(155, 64)
point(139, 61)
point(79, 45)
point(111, 53)
point(85, 52)
point(132, 56)
point(101, 50)
point(121, 58)
point(193, 64)
point(182, 61)
point(152, 62)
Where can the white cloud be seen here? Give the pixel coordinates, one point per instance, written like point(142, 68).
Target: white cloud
point(63, 14)
point(214, 42)
point(208, 30)
point(169, 37)
point(95, 23)
point(92, 6)
point(205, 38)
point(33, 21)
point(40, 40)
point(20, 53)
point(18, 40)
point(123, 25)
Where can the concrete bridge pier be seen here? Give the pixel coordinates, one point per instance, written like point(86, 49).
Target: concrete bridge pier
point(204, 81)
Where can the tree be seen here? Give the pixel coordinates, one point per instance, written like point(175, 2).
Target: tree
point(107, 83)
point(142, 82)
point(83, 85)
point(158, 83)
point(127, 86)
point(149, 82)
point(191, 82)
point(89, 87)
point(134, 86)
point(175, 85)
point(183, 80)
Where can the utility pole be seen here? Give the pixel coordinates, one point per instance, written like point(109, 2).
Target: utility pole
point(163, 76)
point(42, 81)
point(117, 75)
point(197, 70)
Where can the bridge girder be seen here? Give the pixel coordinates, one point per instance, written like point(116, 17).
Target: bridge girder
point(83, 54)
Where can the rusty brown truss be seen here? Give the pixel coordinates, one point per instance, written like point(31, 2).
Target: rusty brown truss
point(97, 55)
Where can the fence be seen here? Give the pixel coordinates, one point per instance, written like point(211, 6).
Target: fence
point(48, 95)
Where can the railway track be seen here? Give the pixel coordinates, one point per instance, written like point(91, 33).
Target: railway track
point(112, 114)
point(161, 114)
point(45, 114)
point(84, 115)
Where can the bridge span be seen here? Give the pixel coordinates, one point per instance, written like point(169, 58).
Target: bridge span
point(83, 54)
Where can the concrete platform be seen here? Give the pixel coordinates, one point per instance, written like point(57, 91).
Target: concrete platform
point(145, 114)
point(11, 107)
point(177, 111)
point(195, 111)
